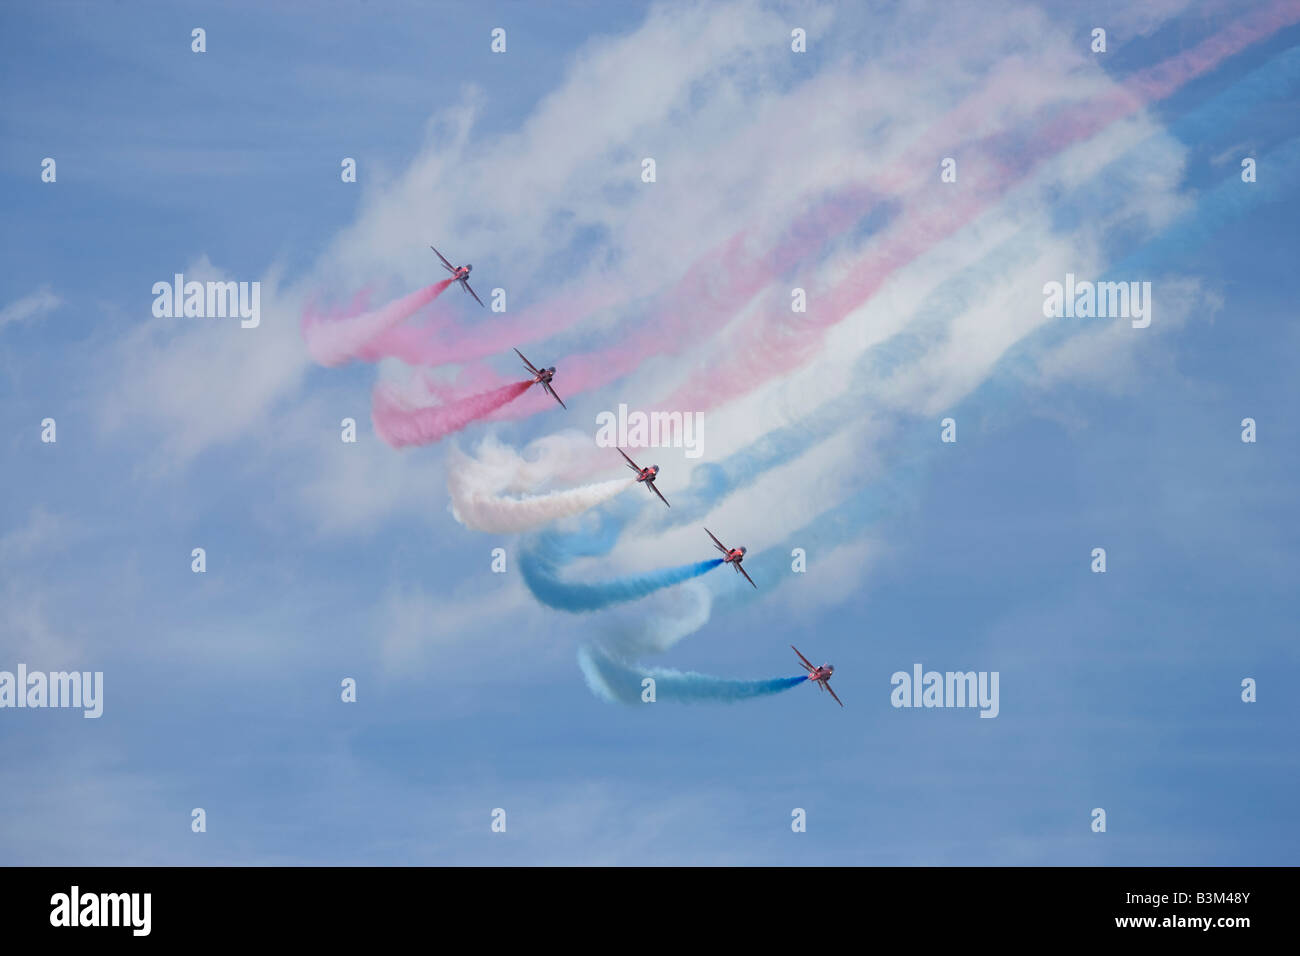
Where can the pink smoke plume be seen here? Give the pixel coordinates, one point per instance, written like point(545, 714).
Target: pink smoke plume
point(333, 341)
point(400, 425)
point(445, 342)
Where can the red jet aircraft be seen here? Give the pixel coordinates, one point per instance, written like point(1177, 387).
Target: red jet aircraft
point(460, 274)
point(733, 556)
point(648, 475)
point(822, 675)
point(542, 376)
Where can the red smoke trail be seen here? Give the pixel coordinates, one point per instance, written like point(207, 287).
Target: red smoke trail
point(445, 342)
point(424, 389)
point(334, 341)
point(400, 425)
point(774, 346)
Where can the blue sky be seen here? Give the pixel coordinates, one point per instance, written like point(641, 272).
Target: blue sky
point(327, 560)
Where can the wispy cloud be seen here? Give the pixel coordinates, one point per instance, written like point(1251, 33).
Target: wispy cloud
point(35, 306)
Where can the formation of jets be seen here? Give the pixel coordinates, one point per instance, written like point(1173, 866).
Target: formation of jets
point(541, 376)
point(821, 676)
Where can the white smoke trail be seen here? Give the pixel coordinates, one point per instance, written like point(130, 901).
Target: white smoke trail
point(336, 341)
point(485, 487)
point(566, 457)
point(501, 514)
point(658, 622)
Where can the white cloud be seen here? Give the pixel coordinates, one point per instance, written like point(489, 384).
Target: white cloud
point(33, 596)
point(33, 306)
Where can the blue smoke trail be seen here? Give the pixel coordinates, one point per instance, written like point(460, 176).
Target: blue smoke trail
point(621, 683)
point(598, 535)
point(540, 574)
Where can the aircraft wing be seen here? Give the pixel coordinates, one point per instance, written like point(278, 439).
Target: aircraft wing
point(527, 364)
point(656, 491)
point(827, 685)
point(720, 545)
point(630, 463)
point(445, 264)
point(547, 386)
point(806, 663)
point(747, 577)
point(473, 293)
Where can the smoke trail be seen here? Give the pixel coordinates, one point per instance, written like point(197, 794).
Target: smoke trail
point(425, 389)
point(482, 509)
point(777, 345)
point(487, 488)
point(401, 426)
point(332, 342)
point(565, 457)
point(617, 682)
point(541, 575)
point(445, 342)
point(596, 538)
point(654, 625)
